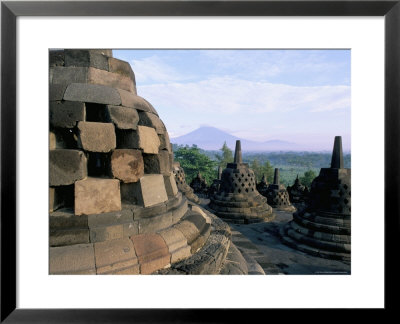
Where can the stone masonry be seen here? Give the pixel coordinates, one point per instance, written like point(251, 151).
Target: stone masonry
point(114, 202)
point(238, 200)
point(322, 228)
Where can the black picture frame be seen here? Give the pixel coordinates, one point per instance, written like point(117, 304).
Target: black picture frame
point(10, 10)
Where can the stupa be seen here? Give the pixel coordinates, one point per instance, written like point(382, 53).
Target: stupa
point(180, 179)
point(277, 195)
point(323, 227)
point(298, 193)
point(199, 185)
point(262, 186)
point(238, 200)
point(114, 204)
point(214, 187)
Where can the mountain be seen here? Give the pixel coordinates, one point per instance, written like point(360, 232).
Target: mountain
point(211, 138)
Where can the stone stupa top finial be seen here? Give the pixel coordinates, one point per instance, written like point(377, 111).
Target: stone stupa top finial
point(238, 153)
point(276, 176)
point(337, 154)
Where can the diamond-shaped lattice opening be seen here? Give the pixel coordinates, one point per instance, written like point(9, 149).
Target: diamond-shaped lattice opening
point(239, 191)
point(247, 190)
point(345, 186)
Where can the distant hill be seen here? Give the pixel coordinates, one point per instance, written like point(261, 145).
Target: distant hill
point(211, 138)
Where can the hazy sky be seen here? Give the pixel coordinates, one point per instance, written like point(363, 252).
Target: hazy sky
point(301, 96)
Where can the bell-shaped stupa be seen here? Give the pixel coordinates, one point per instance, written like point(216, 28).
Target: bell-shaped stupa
point(277, 195)
point(323, 227)
point(298, 193)
point(262, 186)
point(180, 179)
point(114, 204)
point(199, 185)
point(237, 199)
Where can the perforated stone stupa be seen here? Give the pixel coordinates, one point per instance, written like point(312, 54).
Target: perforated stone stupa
point(298, 193)
point(199, 185)
point(180, 178)
point(238, 200)
point(323, 227)
point(277, 195)
point(114, 204)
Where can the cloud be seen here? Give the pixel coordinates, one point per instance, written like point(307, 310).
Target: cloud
point(229, 95)
point(154, 69)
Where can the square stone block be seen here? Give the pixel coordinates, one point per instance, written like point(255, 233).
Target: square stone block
point(69, 237)
point(87, 58)
point(151, 120)
point(66, 114)
point(95, 93)
point(170, 185)
point(157, 163)
point(155, 223)
point(148, 140)
point(96, 137)
point(165, 143)
point(121, 67)
point(66, 166)
point(68, 75)
point(65, 218)
point(152, 252)
point(56, 58)
point(114, 255)
point(73, 259)
point(125, 215)
point(95, 196)
point(56, 91)
point(106, 233)
point(131, 100)
point(122, 117)
point(127, 165)
point(177, 244)
point(150, 190)
point(114, 80)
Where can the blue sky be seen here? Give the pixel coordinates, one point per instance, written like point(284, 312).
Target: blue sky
point(301, 96)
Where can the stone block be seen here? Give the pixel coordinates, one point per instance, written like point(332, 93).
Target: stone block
point(121, 67)
point(96, 137)
point(87, 58)
point(170, 185)
point(56, 91)
point(73, 259)
point(68, 75)
point(102, 51)
point(143, 212)
point(125, 215)
point(155, 223)
point(69, 236)
point(131, 100)
point(151, 120)
point(65, 218)
point(180, 211)
point(95, 196)
point(177, 244)
point(122, 117)
point(92, 93)
point(66, 114)
point(200, 211)
point(148, 140)
point(157, 163)
point(152, 252)
point(150, 190)
point(54, 201)
point(56, 58)
point(66, 167)
point(189, 230)
point(106, 233)
point(165, 143)
point(115, 255)
point(114, 80)
point(127, 165)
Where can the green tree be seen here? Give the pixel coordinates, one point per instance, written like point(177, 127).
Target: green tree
point(225, 157)
point(308, 178)
point(262, 169)
point(192, 161)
